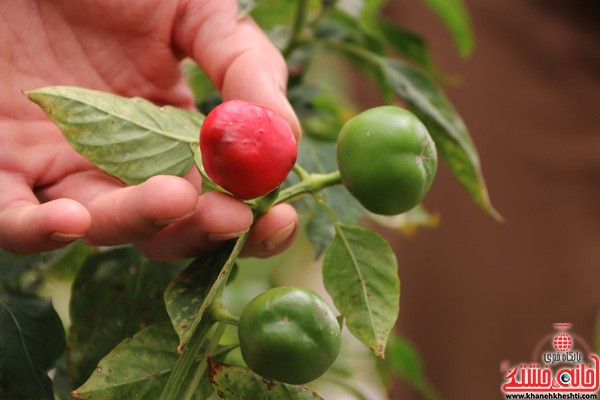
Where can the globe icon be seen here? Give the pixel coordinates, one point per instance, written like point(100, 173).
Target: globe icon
point(562, 342)
point(565, 378)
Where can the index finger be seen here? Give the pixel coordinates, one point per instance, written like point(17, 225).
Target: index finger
point(236, 55)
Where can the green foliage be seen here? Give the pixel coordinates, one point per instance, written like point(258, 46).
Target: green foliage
point(137, 368)
point(31, 339)
point(189, 294)
point(132, 139)
point(116, 294)
point(231, 383)
point(143, 329)
point(403, 359)
point(360, 273)
point(454, 14)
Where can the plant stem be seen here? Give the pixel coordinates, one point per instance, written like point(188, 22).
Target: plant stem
point(353, 49)
point(297, 28)
point(183, 381)
point(311, 183)
point(179, 379)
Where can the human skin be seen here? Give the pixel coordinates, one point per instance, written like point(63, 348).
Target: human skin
point(50, 195)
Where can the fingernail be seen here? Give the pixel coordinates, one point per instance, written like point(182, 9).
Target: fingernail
point(221, 237)
point(65, 237)
point(168, 221)
point(277, 239)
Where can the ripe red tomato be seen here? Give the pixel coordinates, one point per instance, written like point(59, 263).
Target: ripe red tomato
point(246, 148)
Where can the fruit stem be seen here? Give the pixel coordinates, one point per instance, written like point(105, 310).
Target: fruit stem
point(310, 183)
point(220, 313)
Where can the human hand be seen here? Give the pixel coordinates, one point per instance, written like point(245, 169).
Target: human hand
point(50, 195)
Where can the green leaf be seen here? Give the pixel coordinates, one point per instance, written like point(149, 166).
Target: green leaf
point(198, 81)
point(188, 377)
point(137, 368)
point(445, 125)
point(456, 17)
point(318, 156)
point(131, 139)
point(412, 46)
point(207, 183)
point(65, 263)
point(370, 13)
point(321, 113)
point(234, 383)
point(192, 291)
point(360, 274)
point(344, 26)
point(116, 294)
point(12, 266)
point(403, 359)
point(273, 13)
point(245, 7)
point(32, 338)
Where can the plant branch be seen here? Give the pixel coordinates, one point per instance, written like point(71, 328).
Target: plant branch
point(181, 377)
point(183, 381)
point(298, 27)
point(311, 183)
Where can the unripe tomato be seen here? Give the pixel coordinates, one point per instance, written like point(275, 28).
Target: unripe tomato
point(246, 148)
point(289, 334)
point(387, 159)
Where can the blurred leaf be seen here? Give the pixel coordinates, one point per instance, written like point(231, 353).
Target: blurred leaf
point(319, 229)
point(318, 156)
point(321, 114)
point(198, 81)
point(403, 359)
point(137, 368)
point(61, 383)
point(245, 7)
point(192, 291)
point(371, 11)
point(32, 338)
point(360, 274)
point(12, 266)
point(66, 262)
point(207, 183)
point(411, 46)
point(410, 222)
point(116, 294)
point(131, 139)
point(342, 26)
point(271, 13)
point(234, 383)
point(455, 15)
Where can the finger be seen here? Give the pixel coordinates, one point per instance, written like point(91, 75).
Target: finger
point(236, 55)
point(28, 227)
point(123, 214)
point(218, 218)
point(273, 232)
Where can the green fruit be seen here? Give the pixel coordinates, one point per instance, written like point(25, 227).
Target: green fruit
point(289, 334)
point(387, 159)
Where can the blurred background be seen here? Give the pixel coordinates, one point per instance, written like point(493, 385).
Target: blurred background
point(476, 293)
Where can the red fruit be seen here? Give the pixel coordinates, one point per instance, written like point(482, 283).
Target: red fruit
point(247, 149)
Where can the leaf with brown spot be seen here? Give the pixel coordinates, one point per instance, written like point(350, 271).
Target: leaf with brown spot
point(360, 274)
point(233, 383)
